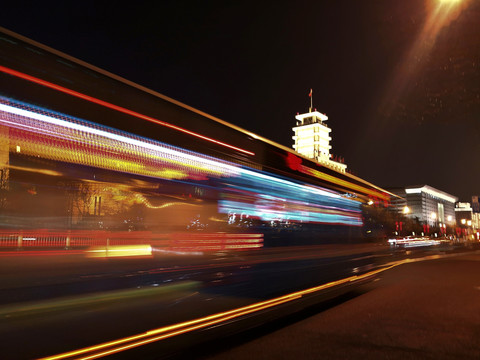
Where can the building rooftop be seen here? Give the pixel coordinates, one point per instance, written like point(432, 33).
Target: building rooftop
point(431, 191)
point(315, 113)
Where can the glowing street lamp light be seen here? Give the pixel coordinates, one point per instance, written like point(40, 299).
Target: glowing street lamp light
point(406, 210)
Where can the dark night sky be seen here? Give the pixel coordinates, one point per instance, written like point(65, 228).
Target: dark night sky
point(404, 106)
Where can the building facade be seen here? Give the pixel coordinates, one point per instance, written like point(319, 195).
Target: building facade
point(476, 214)
point(312, 139)
point(468, 220)
point(430, 206)
point(476, 204)
point(464, 213)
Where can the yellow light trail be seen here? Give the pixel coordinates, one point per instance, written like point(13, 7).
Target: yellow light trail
point(181, 328)
point(347, 184)
point(108, 348)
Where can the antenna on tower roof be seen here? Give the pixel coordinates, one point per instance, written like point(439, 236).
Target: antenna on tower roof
point(310, 95)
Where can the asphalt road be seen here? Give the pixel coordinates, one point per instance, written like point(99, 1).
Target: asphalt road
point(55, 304)
point(420, 310)
point(50, 304)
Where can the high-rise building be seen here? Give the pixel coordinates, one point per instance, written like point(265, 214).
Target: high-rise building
point(431, 206)
point(312, 139)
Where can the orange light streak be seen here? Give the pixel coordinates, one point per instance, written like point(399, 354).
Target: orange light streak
point(114, 107)
point(182, 331)
point(323, 176)
point(181, 328)
point(187, 326)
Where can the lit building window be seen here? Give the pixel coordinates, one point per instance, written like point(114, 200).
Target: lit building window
point(312, 139)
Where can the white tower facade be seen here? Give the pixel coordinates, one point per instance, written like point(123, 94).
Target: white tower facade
point(312, 139)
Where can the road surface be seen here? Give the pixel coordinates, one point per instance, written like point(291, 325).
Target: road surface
point(421, 310)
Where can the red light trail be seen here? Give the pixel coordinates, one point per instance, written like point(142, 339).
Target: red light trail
point(115, 107)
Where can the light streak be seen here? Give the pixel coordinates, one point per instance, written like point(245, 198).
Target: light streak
point(295, 163)
point(108, 144)
point(39, 171)
point(115, 107)
point(145, 201)
point(347, 184)
point(175, 329)
point(124, 243)
point(119, 251)
point(270, 198)
point(162, 333)
point(100, 133)
point(33, 253)
point(106, 148)
point(192, 242)
point(307, 212)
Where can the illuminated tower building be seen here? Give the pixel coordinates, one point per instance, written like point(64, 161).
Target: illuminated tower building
point(312, 139)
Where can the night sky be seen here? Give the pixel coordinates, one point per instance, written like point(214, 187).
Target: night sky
point(399, 81)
